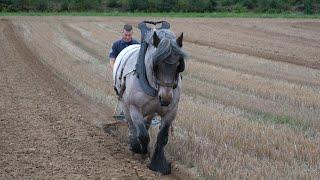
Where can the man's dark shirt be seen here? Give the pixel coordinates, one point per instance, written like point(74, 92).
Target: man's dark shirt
point(119, 45)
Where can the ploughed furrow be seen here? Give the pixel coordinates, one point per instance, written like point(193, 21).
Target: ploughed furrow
point(93, 48)
point(254, 66)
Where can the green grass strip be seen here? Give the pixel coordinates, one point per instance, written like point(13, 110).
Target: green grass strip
point(169, 14)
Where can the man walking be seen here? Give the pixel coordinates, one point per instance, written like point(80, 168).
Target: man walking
point(116, 48)
point(122, 43)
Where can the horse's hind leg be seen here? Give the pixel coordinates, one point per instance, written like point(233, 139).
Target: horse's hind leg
point(139, 136)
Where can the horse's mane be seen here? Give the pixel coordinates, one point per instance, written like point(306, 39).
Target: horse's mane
point(166, 46)
point(162, 33)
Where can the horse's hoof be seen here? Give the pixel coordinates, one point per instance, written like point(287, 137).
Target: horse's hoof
point(137, 147)
point(164, 167)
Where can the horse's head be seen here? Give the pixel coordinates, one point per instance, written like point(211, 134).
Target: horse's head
point(168, 62)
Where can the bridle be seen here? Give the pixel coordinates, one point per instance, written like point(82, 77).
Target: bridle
point(172, 85)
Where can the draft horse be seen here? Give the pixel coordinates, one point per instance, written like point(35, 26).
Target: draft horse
point(148, 82)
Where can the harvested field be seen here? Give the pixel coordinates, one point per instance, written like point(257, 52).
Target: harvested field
point(250, 104)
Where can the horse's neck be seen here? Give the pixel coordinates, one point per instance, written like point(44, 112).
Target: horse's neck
point(148, 63)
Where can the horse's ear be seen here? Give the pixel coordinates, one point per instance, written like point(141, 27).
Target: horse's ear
point(156, 39)
point(179, 40)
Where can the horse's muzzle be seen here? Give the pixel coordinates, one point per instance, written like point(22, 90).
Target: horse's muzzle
point(165, 95)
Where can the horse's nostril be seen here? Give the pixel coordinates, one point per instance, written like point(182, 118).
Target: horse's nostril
point(163, 103)
point(160, 100)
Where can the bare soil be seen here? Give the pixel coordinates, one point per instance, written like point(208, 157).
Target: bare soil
point(46, 129)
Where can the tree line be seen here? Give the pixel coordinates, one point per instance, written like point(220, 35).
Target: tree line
point(268, 6)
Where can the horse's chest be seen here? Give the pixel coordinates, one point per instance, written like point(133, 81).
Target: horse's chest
point(154, 106)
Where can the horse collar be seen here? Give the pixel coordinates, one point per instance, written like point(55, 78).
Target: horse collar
point(141, 72)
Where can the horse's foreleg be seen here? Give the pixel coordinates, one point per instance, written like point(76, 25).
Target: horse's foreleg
point(139, 139)
point(158, 161)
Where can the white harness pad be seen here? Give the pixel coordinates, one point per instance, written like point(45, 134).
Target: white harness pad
point(119, 70)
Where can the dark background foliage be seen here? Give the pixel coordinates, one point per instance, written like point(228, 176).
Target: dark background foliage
point(268, 6)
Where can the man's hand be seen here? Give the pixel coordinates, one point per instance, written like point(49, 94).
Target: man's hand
point(112, 61)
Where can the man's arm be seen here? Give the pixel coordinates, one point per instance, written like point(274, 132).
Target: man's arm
point(112, 55)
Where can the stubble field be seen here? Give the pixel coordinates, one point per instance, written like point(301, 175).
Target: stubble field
point(250, 105)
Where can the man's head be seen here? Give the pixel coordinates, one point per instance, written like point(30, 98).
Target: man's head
point(127, 33)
